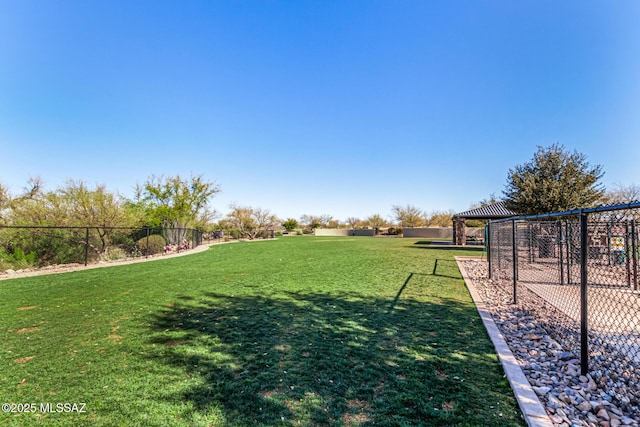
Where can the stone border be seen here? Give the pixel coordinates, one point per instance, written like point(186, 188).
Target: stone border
point(534, 413)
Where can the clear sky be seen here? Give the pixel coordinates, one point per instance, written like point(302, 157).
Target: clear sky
point(316, 107)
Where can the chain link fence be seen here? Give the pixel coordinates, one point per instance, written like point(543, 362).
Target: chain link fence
point(24, 247)
point(577, 272)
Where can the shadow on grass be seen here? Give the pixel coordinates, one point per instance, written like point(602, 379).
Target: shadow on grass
point(449, 248)
point(320, 359)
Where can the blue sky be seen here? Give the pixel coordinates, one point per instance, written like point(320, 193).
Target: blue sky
point(316, 107)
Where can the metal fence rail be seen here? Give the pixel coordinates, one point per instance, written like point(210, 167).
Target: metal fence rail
point(577, 271)
point(37, 246)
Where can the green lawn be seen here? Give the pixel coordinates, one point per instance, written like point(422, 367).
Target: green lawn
point(301, 331)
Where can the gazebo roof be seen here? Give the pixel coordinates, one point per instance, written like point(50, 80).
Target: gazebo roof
point(493, 211)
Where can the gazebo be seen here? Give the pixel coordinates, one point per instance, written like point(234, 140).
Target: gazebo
point(489, 212)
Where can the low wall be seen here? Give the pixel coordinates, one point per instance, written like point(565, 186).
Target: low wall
point(428, 232)
point(440, 232)
point(343, 232)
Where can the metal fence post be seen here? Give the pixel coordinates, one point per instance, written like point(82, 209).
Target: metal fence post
point(146, 250)
point(627, 253)
point(514, 252)
point(560, 257)
point(86, 247)
point(584, 327)
point(488, 243)
point(634, 253)
point(570, 251)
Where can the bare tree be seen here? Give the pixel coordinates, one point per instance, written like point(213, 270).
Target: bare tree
point(623, 194)
point(315, 221)
point(440, 218)
point(250, 222)
point(353, 222)
point(376, 222)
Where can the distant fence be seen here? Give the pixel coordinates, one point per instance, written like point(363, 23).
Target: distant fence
point(37, 246)
point(577, 272)
point(344, 232)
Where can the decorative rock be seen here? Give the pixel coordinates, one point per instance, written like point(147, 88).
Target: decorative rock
point(607, 396)
point(603, 414)
point(555, 419)
point(584, 406)
point(541, 391)
point(565, 356)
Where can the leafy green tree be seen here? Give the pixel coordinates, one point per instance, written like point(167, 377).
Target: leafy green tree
point(174, 202)
point(74, 205)
point(5, 201)
point(408, 216)
point(290, 224)
point(554, 180)
point(9, 203)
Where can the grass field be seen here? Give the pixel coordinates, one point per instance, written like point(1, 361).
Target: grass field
point(301, 331)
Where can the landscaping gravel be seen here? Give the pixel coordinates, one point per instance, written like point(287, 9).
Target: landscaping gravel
point(608, 396)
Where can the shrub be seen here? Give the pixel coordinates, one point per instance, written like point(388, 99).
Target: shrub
point(18, 259)
point(156, 244)
point(116, 253)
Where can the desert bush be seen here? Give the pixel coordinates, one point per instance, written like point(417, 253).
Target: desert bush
point(116, 253)
point(156, 244)
point(16, 260)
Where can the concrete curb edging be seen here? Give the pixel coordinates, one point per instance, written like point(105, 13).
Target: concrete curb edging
point(534, 413)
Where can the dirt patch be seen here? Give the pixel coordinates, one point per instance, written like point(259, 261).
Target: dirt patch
point(24, 359)
point(25, 330)
point(30, 307)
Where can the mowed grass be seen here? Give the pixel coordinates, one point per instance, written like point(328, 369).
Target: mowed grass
point(301, 331)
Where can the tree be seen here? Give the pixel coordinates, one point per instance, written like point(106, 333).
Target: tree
point(408, 216)
point(440, 218)
point(492, 199)
point(75, 205)
point(174, 202)
point(376, 222)
point(334, 223)
point(290, 224)
point(623, 194)
point(313, 221)
point(8, 203)
point(554, 180)
point(353, 222)
point(97, 207)
point(250, 222)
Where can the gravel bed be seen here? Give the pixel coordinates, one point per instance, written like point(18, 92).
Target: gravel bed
point(608, 396)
